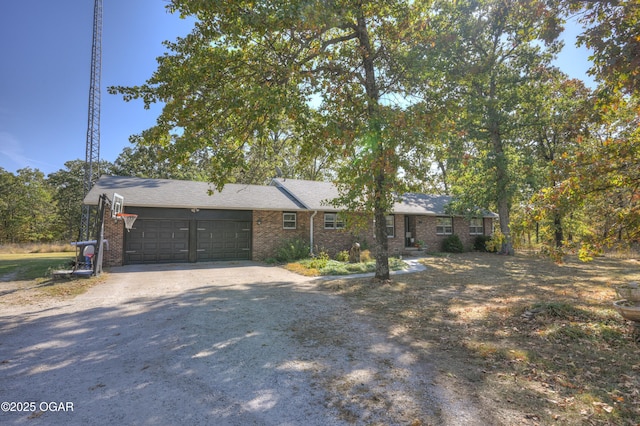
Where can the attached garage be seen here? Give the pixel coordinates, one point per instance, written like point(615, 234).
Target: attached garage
point(184, 221)
point(181, 235)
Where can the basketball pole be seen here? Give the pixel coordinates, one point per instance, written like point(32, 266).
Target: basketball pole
point(97, 265)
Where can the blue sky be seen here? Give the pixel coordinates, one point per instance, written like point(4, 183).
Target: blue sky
point(44, 75)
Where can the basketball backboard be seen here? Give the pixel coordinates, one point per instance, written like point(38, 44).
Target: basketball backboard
point(117, 205)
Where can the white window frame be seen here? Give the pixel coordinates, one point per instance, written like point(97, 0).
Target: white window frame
point(333, 221)
point(289, 220)
point(444, 229)
point(391, 225)
point(476, 226)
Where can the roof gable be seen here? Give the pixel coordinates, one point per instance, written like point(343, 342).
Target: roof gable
point(314, 195)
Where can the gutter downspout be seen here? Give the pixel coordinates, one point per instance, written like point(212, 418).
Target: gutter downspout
point(311, 233)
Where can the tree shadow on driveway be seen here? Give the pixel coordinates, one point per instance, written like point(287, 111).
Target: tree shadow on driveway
point(209, 345)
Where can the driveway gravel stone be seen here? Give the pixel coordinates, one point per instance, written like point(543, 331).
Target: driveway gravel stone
point(217, 343)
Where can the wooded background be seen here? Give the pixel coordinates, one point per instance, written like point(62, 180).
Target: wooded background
point(384, 97)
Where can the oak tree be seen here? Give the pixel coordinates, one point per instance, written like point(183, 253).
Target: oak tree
point(496, 48)
point(247, 65)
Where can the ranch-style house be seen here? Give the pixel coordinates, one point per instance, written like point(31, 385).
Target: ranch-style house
point(184, 221)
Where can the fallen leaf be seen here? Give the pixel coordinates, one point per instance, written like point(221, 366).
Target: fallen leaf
point(603, 406)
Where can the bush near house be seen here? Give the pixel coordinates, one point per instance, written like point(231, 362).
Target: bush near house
point(480, 243)
point(452, 244)
point(292, 250)
point(342, 256)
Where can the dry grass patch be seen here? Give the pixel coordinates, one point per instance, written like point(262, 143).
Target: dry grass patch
point(27, 292)
point(36, 248)
point(536, 342)
point(26, 278)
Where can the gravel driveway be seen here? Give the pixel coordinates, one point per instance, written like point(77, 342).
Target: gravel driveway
point(217, 343)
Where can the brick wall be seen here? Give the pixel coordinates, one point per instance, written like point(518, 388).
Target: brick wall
point(114, 233)
point(426, 231)
point(269, 234)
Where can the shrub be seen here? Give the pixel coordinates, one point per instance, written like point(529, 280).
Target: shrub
point(494, 245)
point(480, 243)
point(342, 256)
point(452, 244)
point(365, 256)
point(320, 261)
point(292, 250)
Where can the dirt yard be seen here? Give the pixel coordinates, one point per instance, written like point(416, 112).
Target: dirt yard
point(534, 342)
point(518, 340)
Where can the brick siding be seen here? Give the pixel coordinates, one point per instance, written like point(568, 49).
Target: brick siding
point(114, 233)
point(269, 234)
point(426, 232)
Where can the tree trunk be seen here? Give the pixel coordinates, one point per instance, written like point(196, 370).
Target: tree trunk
point(503, 211)
point(503, 197)
point(557, 226)
point(382, 243)
point(380, 162)
point(502, 190)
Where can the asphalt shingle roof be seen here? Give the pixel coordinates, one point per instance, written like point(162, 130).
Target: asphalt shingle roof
point(315, 195)
point(166, 193)
point(422, 204)
point(281, 195)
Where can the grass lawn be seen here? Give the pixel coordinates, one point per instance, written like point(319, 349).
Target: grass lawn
point(30, 266)
point(532, 341)
point(26, 276)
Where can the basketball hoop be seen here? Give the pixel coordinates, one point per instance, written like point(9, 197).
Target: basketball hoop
point(128, 218)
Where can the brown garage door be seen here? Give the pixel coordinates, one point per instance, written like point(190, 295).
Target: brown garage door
point(157, 241)
point(223, 240)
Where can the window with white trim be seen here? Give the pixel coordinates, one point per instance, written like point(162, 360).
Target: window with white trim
point(391, 226)
point(476, 226)
point(333, 221)
point(289, 220)
point(444, 225)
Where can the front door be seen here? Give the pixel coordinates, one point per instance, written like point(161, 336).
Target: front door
point(409, 231)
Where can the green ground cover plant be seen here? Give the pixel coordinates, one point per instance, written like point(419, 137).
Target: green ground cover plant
point(315, 267)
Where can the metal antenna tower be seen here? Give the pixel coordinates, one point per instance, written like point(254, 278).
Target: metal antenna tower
point(92, 156)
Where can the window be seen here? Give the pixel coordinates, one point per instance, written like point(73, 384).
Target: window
point(333, 221)
point(289, 220)
point(444, 225)
point(475, 227)
point(391, 226)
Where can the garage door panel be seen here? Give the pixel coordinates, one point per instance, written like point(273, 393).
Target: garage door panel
point(223, 240)
point(156, 241)
point(168, 240)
